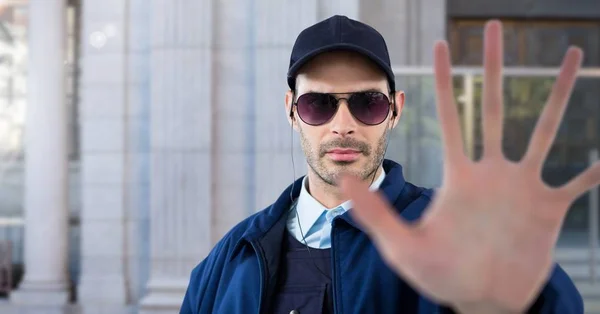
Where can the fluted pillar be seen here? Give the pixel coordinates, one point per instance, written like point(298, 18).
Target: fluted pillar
point(46, 213)
point(113, 118)
point(233, 115)
point(180, 147)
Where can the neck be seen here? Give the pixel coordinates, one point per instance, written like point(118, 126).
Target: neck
point(329, 195)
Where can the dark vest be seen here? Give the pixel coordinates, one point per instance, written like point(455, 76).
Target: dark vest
point(304, 283)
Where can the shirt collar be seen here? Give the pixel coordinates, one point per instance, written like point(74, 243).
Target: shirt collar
point(309, 209)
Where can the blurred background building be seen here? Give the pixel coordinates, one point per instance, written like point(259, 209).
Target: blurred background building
point(171, 129)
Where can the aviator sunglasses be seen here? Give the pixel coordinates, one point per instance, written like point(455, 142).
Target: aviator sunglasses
point(369, 107)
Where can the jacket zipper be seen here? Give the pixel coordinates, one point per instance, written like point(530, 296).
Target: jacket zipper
point(334, 280)
point(263, 279)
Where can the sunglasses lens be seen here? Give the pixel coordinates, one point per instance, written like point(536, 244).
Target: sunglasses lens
point(370, 108)
point(316, 108)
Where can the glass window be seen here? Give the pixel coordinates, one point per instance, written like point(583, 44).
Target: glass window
point(540, 44)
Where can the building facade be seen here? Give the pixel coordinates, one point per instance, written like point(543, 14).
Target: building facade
point(169, 127)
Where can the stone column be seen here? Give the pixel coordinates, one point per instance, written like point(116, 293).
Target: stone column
point(46, 213)
point(180, 147)
point(233, 113)
point(103, 118)
point(137, 158)
point(114, 119)
point(278, 23)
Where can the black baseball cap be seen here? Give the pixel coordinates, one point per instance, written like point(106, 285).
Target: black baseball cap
point(340, 33)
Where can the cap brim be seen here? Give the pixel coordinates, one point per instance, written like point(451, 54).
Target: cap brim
point(293, 71)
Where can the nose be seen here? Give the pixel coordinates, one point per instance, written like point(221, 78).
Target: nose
point(343, 122)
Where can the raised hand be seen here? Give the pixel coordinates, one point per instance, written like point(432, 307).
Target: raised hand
point(486, 242)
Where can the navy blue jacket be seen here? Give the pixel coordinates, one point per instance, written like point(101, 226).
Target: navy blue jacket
point(240, 273)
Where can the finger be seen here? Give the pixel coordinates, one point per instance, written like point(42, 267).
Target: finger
point(492, 107)
point(376, 216)
point(446, 107)
point(583, 182)
point(549, 121)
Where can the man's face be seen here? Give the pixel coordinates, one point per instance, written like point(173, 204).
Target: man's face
point(343, 144)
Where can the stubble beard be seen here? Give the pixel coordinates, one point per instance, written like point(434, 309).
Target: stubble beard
point(317, 159)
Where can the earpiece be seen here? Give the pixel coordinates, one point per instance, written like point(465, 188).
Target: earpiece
point(292, 106)
point(394, 112)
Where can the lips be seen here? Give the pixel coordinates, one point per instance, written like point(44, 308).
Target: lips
point(343, 151)
point(343, 154)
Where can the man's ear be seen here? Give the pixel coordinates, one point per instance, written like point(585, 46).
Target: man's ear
point(289, 112)
point(399, 105)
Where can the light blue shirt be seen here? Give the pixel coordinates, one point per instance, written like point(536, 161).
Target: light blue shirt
point(315, 219)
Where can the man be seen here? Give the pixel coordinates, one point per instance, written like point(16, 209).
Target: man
point(482, 243)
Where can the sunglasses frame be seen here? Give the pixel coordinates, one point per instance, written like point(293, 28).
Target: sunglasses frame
point(347, 99)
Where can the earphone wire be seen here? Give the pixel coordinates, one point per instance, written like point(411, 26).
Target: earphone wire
point(295, 206)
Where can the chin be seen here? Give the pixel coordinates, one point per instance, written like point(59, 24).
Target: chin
point(355, 166)
point(345, 163)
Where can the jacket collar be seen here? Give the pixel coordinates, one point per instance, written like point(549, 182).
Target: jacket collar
point(391, 188)
point(262, 223)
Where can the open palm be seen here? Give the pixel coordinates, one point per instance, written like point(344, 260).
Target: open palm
point(488, 235)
